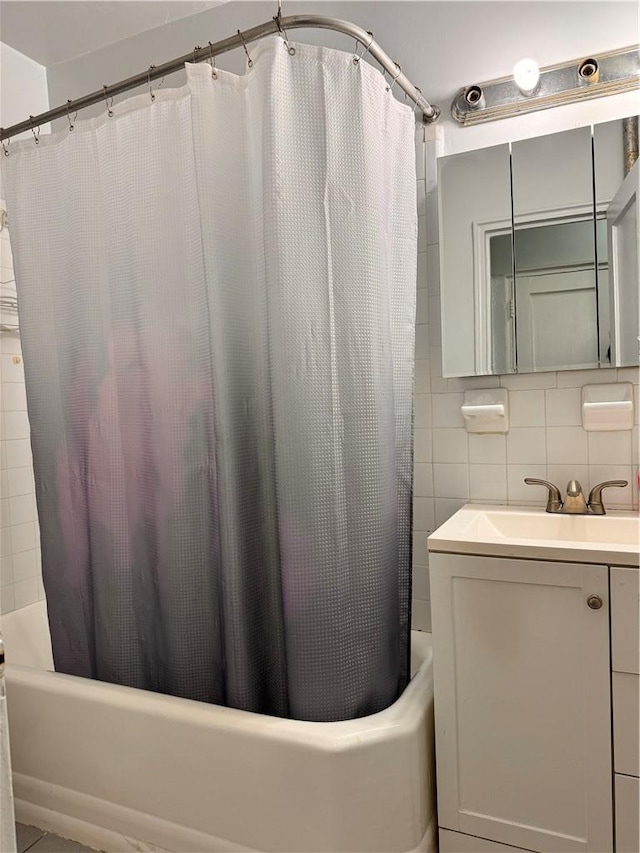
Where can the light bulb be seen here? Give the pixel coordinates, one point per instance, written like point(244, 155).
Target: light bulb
point(526, 75)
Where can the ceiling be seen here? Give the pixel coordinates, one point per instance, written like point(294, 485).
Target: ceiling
point(52, 31)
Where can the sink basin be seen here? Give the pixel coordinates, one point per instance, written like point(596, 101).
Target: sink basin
point(607, 529)
point(531, 532)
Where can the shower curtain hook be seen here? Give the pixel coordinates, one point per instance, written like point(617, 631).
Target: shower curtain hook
point(244, 45)
point(393, 82)
point(36, 133)
point(71, 125)
point(151, 95)
point(106, 100)
point(5, 148)
point(197, 47)
point(357, 58)
point(212, 62)
point(290, 50)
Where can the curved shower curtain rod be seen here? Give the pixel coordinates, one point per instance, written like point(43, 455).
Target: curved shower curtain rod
point(278, 24)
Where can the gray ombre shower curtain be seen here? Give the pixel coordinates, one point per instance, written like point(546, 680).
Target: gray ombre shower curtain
point(217, 298)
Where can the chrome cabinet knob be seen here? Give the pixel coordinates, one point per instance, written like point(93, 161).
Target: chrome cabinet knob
point(594, 602)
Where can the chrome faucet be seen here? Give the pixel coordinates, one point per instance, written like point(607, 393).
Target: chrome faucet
point(596, 507)
point(574, 502)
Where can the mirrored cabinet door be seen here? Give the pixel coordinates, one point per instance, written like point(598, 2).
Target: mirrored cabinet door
point(539, 259)
point(618, 237)
point(475, 221)
point(555, 311)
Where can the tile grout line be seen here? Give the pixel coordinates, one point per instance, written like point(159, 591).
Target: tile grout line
point(35, 841)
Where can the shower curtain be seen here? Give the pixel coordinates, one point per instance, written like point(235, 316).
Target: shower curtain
point(217, 298)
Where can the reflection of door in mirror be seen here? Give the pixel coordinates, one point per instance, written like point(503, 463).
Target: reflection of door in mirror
point(503, 329)
point(557, 320)
point(619, 262)
point(556, 300)
point(556, 316)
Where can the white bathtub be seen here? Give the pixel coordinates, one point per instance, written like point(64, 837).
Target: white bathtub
point(123, 769)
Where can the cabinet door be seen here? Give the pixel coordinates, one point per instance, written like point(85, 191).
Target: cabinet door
point(522, 701)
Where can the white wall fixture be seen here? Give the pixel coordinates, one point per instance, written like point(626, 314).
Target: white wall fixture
point(486, 411)
point(607, 407)
point(567, 82)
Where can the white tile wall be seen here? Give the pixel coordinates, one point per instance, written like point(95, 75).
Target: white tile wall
point(20, 575)
point(546, 439)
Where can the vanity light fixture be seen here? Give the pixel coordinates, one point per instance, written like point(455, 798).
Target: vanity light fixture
point(530, 88)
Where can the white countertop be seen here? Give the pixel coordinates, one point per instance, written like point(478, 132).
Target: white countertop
point(531, 533)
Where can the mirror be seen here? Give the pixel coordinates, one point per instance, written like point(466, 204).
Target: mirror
point(555, 290)
point(538, 272)
point(619, 228)
point(475, 216)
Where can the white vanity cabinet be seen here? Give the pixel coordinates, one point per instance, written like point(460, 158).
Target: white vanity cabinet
point(522, 684)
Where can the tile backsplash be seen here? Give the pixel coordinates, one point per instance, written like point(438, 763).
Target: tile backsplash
point(20, 575)
point(545, 440)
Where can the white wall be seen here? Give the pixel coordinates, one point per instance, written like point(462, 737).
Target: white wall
point(23, 89)
point(23, 86)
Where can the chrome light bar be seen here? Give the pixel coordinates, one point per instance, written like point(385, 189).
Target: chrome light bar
point(589, 77)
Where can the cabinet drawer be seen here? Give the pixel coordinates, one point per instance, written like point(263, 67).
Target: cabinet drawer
point(627, 814)
point(459, 842)
point(625, 630)
point(626, 740)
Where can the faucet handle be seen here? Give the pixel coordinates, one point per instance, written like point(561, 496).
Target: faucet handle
point(554, 498)
point(596, 505)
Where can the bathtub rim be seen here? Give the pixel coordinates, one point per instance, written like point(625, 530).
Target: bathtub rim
point(333, 736)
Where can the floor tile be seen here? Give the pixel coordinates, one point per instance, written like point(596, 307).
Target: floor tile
point(27, 835)
point(54, 844)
